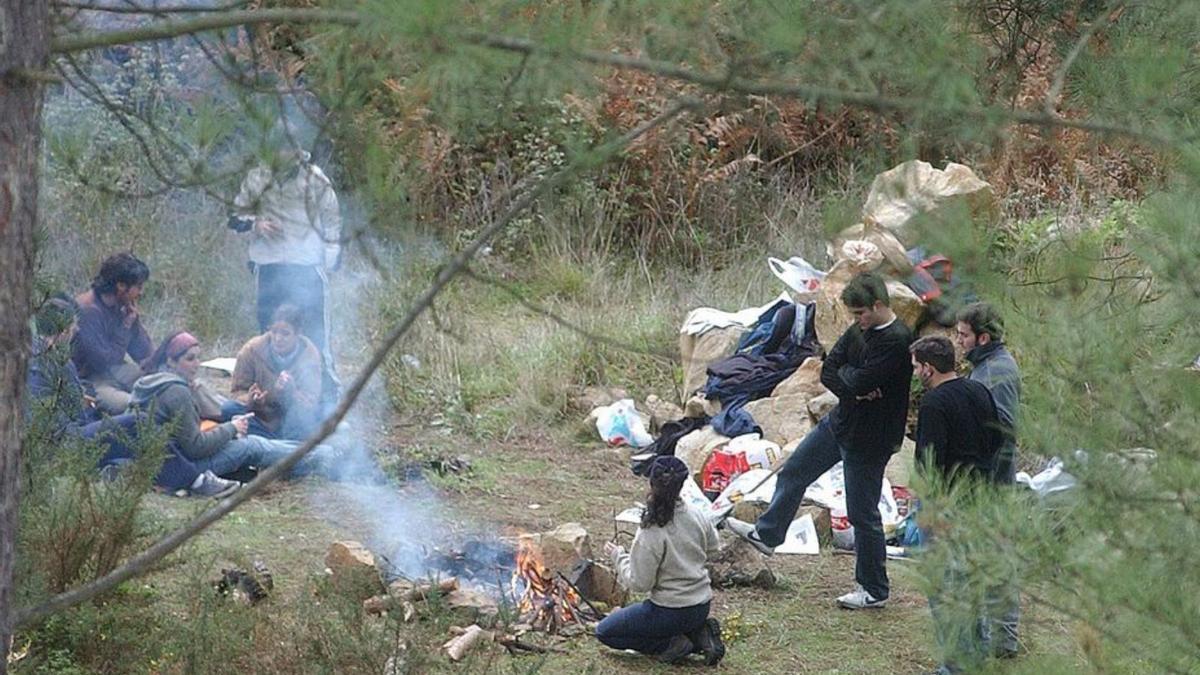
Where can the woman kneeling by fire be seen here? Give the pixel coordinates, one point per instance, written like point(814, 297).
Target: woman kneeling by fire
point(666, 560)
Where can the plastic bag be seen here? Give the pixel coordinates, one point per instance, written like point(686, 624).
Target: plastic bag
point(619, 424)
point(797, 273)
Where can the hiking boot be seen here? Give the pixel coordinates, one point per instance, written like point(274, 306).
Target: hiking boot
point(859, 598)
point(212, 485)
point(707, 641)
point(677, 650)
point(747, 531)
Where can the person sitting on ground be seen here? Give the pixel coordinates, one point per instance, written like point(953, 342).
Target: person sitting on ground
point(225, 448)
point(109, 328)
point(56, 390)
point(278, 378)
point(959, 436)
point(667, 560)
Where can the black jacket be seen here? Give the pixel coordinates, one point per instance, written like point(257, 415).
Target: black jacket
point(859, 363)
point(958, 429)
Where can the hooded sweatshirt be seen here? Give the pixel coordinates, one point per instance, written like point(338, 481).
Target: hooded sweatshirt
point(168, 397)
point(300, 198)
point(668, 562)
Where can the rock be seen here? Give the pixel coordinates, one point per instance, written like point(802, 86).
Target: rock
point(782, 418)
point(806, 381)
point(748, 511)
point(895, 259)
point(467, 599)
point(695, 448)
point(821, 405)
point(564, 546)
point(897, 471)
point(591, 397)
point(699, 406)
point(352, 567)
point(739, 564)
point(598, 583)
point(661, 412)
point(699, 351)
point(914, 187)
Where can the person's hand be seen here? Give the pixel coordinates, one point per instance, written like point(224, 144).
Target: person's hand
point(266, 227)
point(870, 396)
point(241, 423)
point(257, 393)
point(130, 312)
point(612, 550)
point(283, 382)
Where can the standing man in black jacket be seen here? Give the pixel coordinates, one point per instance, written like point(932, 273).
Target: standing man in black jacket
point(869, 370)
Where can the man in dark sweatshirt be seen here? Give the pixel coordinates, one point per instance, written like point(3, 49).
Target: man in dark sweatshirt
point(109, 328)
point(959, 435)
point(869, 371)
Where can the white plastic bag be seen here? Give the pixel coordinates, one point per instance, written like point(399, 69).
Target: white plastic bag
point(619, 424)
point(797, 273)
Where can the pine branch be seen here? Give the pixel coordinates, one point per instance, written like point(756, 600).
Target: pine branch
point(134, 8)
point(142, 562)
point(173, 28)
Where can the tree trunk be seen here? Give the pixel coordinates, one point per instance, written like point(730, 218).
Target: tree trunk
point(24, 49)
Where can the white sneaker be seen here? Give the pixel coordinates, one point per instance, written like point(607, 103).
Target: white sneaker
point(212, 485)
point(859, 598)
point(748, 532)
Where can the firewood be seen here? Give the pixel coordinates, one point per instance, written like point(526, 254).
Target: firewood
point(405, 598)
point(422, 590)
point(457, 647)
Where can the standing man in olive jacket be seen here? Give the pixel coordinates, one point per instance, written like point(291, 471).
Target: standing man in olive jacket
point(869, 370)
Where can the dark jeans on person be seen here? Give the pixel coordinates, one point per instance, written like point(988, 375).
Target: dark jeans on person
point(647, 627)
point(815, 455)
point(231, 407)
point(115, 434)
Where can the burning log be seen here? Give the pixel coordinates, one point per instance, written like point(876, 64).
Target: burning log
point(546, 600)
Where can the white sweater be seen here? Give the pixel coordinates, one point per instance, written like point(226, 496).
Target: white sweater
point(668, 562)
point(304, 205)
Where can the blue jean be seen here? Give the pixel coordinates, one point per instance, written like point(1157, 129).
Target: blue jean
point(648, 628)
point(232, 407)
point(261, 453)
point(112, 433)
point(815, 455)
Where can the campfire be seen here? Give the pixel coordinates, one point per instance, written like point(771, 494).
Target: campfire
point(546, 600)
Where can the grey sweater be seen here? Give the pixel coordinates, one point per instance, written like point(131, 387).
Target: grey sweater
point(169, 398)
point(668, 562)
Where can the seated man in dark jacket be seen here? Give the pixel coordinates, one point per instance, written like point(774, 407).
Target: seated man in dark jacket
point(869, 370)
point(109, 328)
point(58, 396)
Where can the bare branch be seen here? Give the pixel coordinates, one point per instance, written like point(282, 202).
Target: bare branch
point(1060, 78)
point(141, 563)
point(134, 8)
point(163, 30)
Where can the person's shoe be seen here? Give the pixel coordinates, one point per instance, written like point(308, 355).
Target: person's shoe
point(859, 598)
point(747, 531)
point(707, 641)
point(110, 472)
point(677, 650)
point(212, 485)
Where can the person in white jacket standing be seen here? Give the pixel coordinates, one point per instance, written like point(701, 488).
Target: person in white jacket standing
point(289, 210)
point(666, 561)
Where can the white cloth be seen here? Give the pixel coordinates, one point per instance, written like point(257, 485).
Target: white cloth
point(304, 205)
point(703, 319)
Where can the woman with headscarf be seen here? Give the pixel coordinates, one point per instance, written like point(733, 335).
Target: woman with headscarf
point(225, 448)
point(667, 560)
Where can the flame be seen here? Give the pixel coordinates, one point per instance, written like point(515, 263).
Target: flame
point(544, 597)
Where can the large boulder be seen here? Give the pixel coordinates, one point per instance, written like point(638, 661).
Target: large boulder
point(894, 261)
point(661, 412)
point(695, 448)
point(700, 351)
point(352, 569)
point(821, 405)
point(806, 381)
point(782, 418)
point(915, 187)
